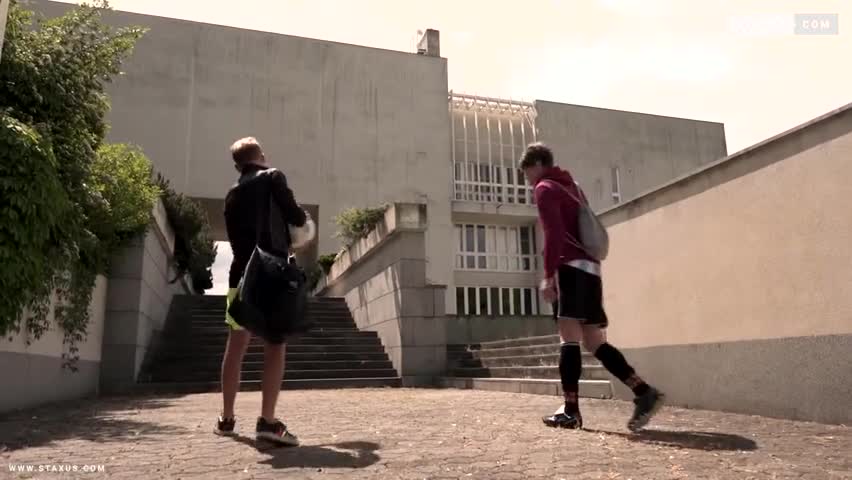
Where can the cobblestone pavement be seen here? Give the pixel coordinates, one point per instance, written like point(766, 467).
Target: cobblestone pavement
point(414, 434)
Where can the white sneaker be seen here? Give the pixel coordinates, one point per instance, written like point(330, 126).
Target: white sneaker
point(276, 432)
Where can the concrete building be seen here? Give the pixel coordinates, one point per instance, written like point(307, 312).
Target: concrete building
point(357, 126)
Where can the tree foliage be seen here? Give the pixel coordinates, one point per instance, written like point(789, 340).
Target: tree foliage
point(62, 214)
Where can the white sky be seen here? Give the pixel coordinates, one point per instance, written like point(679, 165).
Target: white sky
point(733, 61)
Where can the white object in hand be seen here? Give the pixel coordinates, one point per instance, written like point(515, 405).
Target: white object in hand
point(300, 237)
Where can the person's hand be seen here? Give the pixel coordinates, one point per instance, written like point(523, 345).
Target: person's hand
point(548, 290)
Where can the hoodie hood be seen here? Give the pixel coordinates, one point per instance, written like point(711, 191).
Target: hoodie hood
point(559, 176)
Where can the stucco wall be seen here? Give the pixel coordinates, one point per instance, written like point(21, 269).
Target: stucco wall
point(648, 150)
point(33, 374)
point(731, 289)
point(349, 125)
point(138, 302)
point(383, 278)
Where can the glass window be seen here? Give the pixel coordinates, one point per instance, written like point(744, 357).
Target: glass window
point(495, 301)
point(507, 304)
point(483, 301)
point(525, 241)
point(528, 302)
point(460, 301)
point(481, 262)
point(516, 301)
point(480, 238)
point(470, 261)
point(468, 234)
point(471, 300)
point(459, 238)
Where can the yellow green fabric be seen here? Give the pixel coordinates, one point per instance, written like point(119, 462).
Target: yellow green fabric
point(232, 294)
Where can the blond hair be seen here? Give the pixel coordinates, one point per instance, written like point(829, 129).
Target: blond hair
point(246, 150)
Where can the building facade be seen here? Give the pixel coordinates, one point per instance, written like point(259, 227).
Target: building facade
point(353, 126)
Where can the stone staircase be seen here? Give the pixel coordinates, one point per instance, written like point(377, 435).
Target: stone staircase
point(522, 365)
point(334, 354)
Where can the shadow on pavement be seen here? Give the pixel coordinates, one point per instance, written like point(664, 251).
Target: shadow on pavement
point(334, 455)
point(708, 441)
point(88, 419)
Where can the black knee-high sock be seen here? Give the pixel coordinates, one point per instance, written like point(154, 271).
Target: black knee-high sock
point(617, 365)
point(570, 369)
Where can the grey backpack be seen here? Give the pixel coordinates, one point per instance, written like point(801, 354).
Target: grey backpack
point(594, 239)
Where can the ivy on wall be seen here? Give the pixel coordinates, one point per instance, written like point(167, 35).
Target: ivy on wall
point(195, 250)
point(68, 201)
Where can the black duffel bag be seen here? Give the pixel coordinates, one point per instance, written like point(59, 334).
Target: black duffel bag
point(272, 296)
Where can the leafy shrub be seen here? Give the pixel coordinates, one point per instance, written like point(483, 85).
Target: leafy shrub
point(195, 250)
point(356, 223)
point(326, 261)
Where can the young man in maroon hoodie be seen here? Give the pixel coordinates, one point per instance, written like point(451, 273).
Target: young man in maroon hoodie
point(572, 282)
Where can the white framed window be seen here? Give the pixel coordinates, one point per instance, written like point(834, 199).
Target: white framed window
point(616, 185)
point(497, 301)
point(488, 138)
point(495, 248)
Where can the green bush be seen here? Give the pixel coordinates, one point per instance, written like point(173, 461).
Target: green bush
point(195, 250)
point(122, 176)
point(60, 231)
point(356, 223)
point(326, 261)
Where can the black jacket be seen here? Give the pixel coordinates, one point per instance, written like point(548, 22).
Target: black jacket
point(244, 206)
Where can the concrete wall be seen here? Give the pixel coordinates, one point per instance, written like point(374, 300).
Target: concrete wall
point(731, 288)
point(137, 303)
point(349, 125)
point(383, 278)
point(479, 329)
point(33, 374)
point(648, 150)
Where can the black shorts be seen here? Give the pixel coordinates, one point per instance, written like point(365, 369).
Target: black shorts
point(580, 297)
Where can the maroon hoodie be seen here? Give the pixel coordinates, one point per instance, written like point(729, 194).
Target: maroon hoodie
point(559, 212)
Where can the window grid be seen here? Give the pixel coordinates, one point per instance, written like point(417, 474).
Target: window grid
point(479, 173)
point(497, 301)
point(495, 248)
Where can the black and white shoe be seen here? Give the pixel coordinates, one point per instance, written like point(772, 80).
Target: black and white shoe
point(276, 432)
point(571, 421)
point(646, 406)
point(225, 426)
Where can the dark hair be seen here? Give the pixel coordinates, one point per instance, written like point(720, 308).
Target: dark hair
point(537, 154)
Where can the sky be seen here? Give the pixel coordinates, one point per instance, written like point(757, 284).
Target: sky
point(731, 61)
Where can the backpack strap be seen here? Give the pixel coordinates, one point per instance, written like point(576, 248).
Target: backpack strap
point(580, 204)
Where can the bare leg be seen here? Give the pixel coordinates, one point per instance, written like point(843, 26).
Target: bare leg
point(232, 363)
point(273, 374)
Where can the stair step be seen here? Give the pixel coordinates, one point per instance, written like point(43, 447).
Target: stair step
point(520, 361)
point(317, 334)
point(258, 348)
point(588, 388)
point(212, 375)
point(516, 351)
point(590, 372)
point(520, 342)
point(301, 364)
point(290, 357)
point(247, 386)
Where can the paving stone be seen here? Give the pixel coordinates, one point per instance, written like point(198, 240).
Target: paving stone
point(415, 434)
